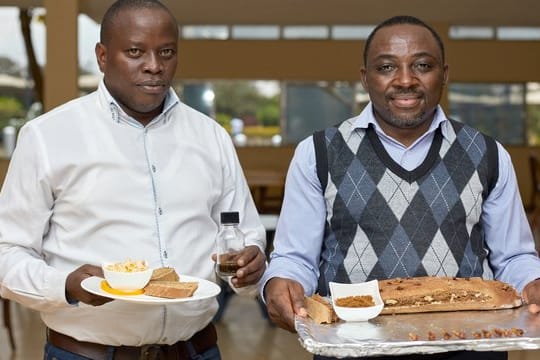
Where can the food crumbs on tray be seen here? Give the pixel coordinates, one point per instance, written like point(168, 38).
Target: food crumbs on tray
point(356, 301)
point(462, 335)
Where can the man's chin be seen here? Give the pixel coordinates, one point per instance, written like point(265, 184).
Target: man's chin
point(407, 122)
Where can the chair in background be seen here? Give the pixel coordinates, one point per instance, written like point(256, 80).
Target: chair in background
point(267, 187)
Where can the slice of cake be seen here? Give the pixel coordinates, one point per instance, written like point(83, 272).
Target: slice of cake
point(171, 289)
point(164, 274)
point(320, 309)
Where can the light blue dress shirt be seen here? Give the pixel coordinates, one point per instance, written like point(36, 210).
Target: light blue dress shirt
point(299, 234)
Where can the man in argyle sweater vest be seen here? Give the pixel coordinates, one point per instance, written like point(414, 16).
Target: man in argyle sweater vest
point(399, 190)
point(399, 223)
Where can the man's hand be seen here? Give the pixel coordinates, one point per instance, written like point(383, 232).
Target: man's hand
point(531, 295)
point(284, 299)
point(74, 291)
point(252, 263)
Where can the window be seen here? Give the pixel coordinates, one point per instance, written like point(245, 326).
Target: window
point(533, 113)
point(218, 32)
point(255, 104)
point(518, 33)
point(309, 107)
point(351, 32)
point(497, 110)
point(305, 32)
point(471, 32)
point(270, 32)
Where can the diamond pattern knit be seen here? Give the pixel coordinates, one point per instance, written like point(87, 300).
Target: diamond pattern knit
point(384, 221)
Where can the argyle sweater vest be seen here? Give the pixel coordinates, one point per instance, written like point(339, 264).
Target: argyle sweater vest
point(384, 221)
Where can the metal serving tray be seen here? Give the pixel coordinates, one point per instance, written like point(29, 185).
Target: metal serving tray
point(393, 334)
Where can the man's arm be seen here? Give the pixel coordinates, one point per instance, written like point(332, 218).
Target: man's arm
point(26, 204)
point(298, 240)
point(513, 257)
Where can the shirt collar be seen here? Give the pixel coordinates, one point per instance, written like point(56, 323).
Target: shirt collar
point(118, 114)
point(366, 117)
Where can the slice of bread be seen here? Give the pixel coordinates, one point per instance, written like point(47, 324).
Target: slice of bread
point(171, 289)
point(320, 309)
point(164, 274)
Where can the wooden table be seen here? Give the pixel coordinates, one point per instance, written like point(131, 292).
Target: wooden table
point(266, 188)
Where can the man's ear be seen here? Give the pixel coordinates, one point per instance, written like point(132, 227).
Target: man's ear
point(445, 75)
point(363, 79)
point(101, 56)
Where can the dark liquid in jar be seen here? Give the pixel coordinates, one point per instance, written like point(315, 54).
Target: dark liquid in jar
point(228, 268)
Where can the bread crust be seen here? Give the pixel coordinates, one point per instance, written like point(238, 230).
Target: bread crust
point(430, 293)
point(171, 289)
point(320, 310)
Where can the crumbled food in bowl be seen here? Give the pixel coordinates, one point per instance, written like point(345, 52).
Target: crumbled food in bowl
point(356, 301)
point(128, 266)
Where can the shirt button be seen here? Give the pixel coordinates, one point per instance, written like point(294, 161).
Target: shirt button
point(153, 168)
point(165, 254)
point(160, 211)
point(164, 339)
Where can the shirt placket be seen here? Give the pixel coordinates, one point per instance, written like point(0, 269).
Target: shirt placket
point(158, 209)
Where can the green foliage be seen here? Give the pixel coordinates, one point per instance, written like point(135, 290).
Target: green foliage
point(269, 111)
point(10, 108)
point(224, 120)
point(241, 99)
point(261, 131)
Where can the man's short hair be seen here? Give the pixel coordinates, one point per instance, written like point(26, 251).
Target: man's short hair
point(402, 20)
point(122, 5)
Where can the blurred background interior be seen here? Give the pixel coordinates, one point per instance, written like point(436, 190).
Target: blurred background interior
point(272, 72)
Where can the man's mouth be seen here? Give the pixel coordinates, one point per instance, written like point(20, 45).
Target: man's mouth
point(152, 86)
point(405, 101)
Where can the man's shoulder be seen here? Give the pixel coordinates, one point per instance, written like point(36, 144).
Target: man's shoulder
point(68, 111)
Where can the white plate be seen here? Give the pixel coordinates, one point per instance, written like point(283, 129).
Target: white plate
point(206, 289)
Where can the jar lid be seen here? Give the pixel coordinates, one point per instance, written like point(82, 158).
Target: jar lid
point(231, 217)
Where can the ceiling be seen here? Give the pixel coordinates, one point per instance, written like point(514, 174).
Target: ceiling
point(327, 12)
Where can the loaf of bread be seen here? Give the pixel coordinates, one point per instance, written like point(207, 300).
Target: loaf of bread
point(430, 293)
point(171, 289)
point(164, 274)
point(320, 309)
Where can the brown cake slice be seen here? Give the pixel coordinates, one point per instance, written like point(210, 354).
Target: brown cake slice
point(320, 309)
point(164, 274)
point(430, 293)
point(171, 289)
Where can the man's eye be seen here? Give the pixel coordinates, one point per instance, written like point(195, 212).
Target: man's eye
point(167, 52)
point(385, 68)
point(134, 52)
point(423, 67)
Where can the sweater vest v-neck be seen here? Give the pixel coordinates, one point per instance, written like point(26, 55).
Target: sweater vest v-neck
point(384, 221)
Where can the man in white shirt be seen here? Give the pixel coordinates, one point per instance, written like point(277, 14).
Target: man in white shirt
point(125, 172)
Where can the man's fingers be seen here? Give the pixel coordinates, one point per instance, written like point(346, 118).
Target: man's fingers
point(297, 297)
point(534, 308)
point(283, 300)
point(253, 270)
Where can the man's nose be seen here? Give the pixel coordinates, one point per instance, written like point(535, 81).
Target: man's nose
point(153, 63)
point(405, 77)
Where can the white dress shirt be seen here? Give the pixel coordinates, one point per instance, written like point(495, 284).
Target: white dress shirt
point(299, 234)
point(88, 184)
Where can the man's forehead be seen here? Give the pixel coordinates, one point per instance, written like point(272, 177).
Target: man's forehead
point(408, 37)
point(402, 31)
